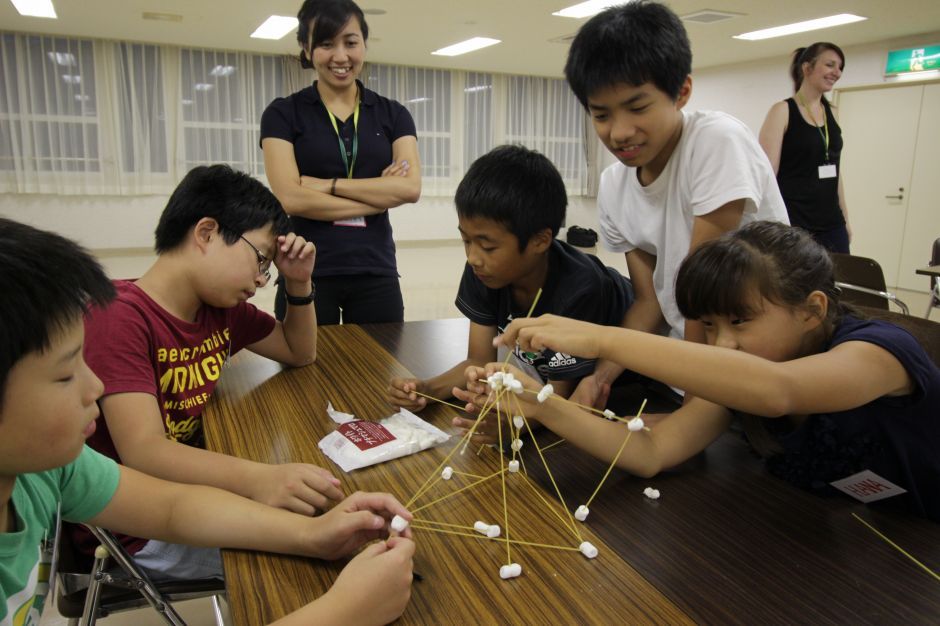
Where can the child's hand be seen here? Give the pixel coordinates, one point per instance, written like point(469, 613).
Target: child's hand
point(478, 394)
point(294, 258)
point(591, 392)
point(376, 585)
point(297, 487)
point(551, 332)
point(402, 393)
point(357, 520)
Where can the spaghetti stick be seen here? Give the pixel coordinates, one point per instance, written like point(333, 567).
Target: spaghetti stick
point(476, 536)
point(452, 494)
point(502, 467)
point(616, 456)
point(898, 548)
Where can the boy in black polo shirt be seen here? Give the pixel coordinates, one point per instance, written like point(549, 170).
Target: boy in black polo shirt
point(510, 206)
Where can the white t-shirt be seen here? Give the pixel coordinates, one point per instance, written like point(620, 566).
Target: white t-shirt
point(716, 161)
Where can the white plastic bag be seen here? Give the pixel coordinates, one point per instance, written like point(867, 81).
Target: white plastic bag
point(359, 443)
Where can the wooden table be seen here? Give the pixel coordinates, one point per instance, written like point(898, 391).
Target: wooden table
point(726, 542)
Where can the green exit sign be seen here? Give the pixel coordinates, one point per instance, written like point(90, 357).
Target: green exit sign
point(921, 59)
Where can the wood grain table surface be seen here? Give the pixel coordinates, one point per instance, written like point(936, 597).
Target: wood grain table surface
point(726, 543)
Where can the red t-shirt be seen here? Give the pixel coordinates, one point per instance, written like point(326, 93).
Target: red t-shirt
point(135, 345)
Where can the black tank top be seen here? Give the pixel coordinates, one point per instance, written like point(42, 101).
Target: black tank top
point(812, 203)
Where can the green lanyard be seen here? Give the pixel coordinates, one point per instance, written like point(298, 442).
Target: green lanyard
point(342, 146)
point(825, 137)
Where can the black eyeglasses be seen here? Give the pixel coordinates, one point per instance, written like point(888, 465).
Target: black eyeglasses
point(264, 263)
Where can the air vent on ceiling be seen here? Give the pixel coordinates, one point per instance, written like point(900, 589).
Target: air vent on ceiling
point(563, 39)
point(162, 17)
point(709, 16)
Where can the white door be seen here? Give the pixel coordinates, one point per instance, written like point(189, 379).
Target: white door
point(923, 212)
point(880, 131)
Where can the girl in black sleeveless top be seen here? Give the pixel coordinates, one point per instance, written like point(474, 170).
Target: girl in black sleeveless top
point(804, 143)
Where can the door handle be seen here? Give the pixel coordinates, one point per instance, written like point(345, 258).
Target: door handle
point(900, 196)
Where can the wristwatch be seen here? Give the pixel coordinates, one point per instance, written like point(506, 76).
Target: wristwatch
point(301, 300)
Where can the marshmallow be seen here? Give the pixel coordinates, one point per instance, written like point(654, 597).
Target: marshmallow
point(652, 494)
point(508, 379)
point(481, 527)
point(513, 466)
point(448, 473)
point(635, 424)
point(610, 414)
point(587, 549)
point(545, 392)
point(399, 523)
point(517, 444)
point(581, 513)
point(516, 387)
point(517, 421)
point(495, 381)
point(510, 571)
point(493, 531)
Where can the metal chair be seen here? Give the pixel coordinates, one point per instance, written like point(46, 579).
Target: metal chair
point(934, 282)
point(85, 598)
point(927, 332)
point(862, 282)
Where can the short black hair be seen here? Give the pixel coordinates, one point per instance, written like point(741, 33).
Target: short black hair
point(235, 200)
point(47, 282)
point(516, 187)
point(635, 43)
point(781, 263)
point(328, 17)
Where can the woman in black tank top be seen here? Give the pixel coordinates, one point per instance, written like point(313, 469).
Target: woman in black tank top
point(804, 143)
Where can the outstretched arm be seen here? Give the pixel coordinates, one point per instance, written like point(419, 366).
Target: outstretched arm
point(860, 371)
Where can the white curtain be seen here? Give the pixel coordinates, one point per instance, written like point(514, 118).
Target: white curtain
point(80, 116)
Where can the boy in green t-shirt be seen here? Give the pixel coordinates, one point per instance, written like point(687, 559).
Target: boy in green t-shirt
point(48, 409)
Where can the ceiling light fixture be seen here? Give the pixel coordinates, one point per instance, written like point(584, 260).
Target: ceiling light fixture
point(587, 9)
point(466, 46)
point(35, 8)
point(222, 70)
point(275, 27)
point(801, 27)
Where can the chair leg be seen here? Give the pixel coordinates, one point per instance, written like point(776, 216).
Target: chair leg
point(93, 595)
point(143, 583)
point(217, 610)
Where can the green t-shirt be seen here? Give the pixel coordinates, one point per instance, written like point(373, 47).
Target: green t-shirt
point(84, 487)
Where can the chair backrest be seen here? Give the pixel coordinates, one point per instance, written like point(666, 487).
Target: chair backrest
point(861, 271)
point(935, 253)
point(924, 330)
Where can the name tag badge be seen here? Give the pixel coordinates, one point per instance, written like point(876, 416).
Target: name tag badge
point(827, 171)
point(867, 486)
point(356, 222)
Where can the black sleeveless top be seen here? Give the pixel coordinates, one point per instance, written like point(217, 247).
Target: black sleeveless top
point(812, 203)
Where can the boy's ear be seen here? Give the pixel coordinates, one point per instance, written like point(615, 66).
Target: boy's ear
point(541, 241)
point(204, 231)
point(685, 92)
point(816, 307)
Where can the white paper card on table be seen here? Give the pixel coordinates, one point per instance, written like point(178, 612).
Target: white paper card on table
point(360, 443)
point(868, 486)
point(827, 171)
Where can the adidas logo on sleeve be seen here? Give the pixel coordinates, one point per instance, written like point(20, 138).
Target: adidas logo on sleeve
point(560, 359)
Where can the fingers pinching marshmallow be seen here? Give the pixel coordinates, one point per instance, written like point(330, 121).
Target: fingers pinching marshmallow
point(510, 571)
point(517, 444)
point(399, 523)
point(581, 513)
point(545, 392)
point(448, 473)
point(513, 466)
point(517, 421)
point(652, 494)
point(587, 549)
point(635, 424)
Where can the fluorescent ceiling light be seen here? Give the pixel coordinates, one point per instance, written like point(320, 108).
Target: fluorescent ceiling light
point(417, 100)
point(587, 9)
point(477, 88)
point(466, 46)
point(275, 27)
point(801, 27)
point(222, 70)
point(72, 79)
point(35, 8)
point(202, 86)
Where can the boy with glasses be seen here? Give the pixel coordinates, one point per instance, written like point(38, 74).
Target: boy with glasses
point(160, 346)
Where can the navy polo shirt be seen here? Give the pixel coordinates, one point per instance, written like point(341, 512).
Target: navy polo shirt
point(302, 119)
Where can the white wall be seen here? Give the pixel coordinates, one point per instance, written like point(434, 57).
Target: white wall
point(744, 90)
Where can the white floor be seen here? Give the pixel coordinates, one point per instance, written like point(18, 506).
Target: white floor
point(430, 272)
